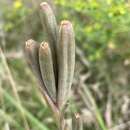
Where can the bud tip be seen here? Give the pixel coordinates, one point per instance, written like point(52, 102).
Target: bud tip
point(44, 45)
point(65, 22)
point(44, 5)
point(29, 43)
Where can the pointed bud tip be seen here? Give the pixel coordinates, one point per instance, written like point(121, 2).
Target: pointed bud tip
point(67, 25)
point(29, 43)
point(66, 22)
point(44, 5)
point(44, 45)
point(77, 115)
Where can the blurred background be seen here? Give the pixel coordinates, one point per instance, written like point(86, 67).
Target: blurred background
point(101, 86)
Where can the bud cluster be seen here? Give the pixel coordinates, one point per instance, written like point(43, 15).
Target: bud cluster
point(53, 61)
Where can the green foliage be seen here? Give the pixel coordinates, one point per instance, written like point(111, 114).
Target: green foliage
point(100, 22)
point(97, 23)
point(14, 15)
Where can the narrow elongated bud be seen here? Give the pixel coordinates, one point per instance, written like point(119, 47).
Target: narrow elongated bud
point(50, 22)
point(63, 65)
point(71, 55)
point(47, 71)
point(66, 61)
point(52, 32)
point(32, 52)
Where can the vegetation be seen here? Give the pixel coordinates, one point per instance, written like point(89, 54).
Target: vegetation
point(100, 91)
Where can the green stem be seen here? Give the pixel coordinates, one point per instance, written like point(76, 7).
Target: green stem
point(100, 120)
point(39, 125)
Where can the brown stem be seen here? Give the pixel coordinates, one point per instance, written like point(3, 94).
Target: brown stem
point(62, 123)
